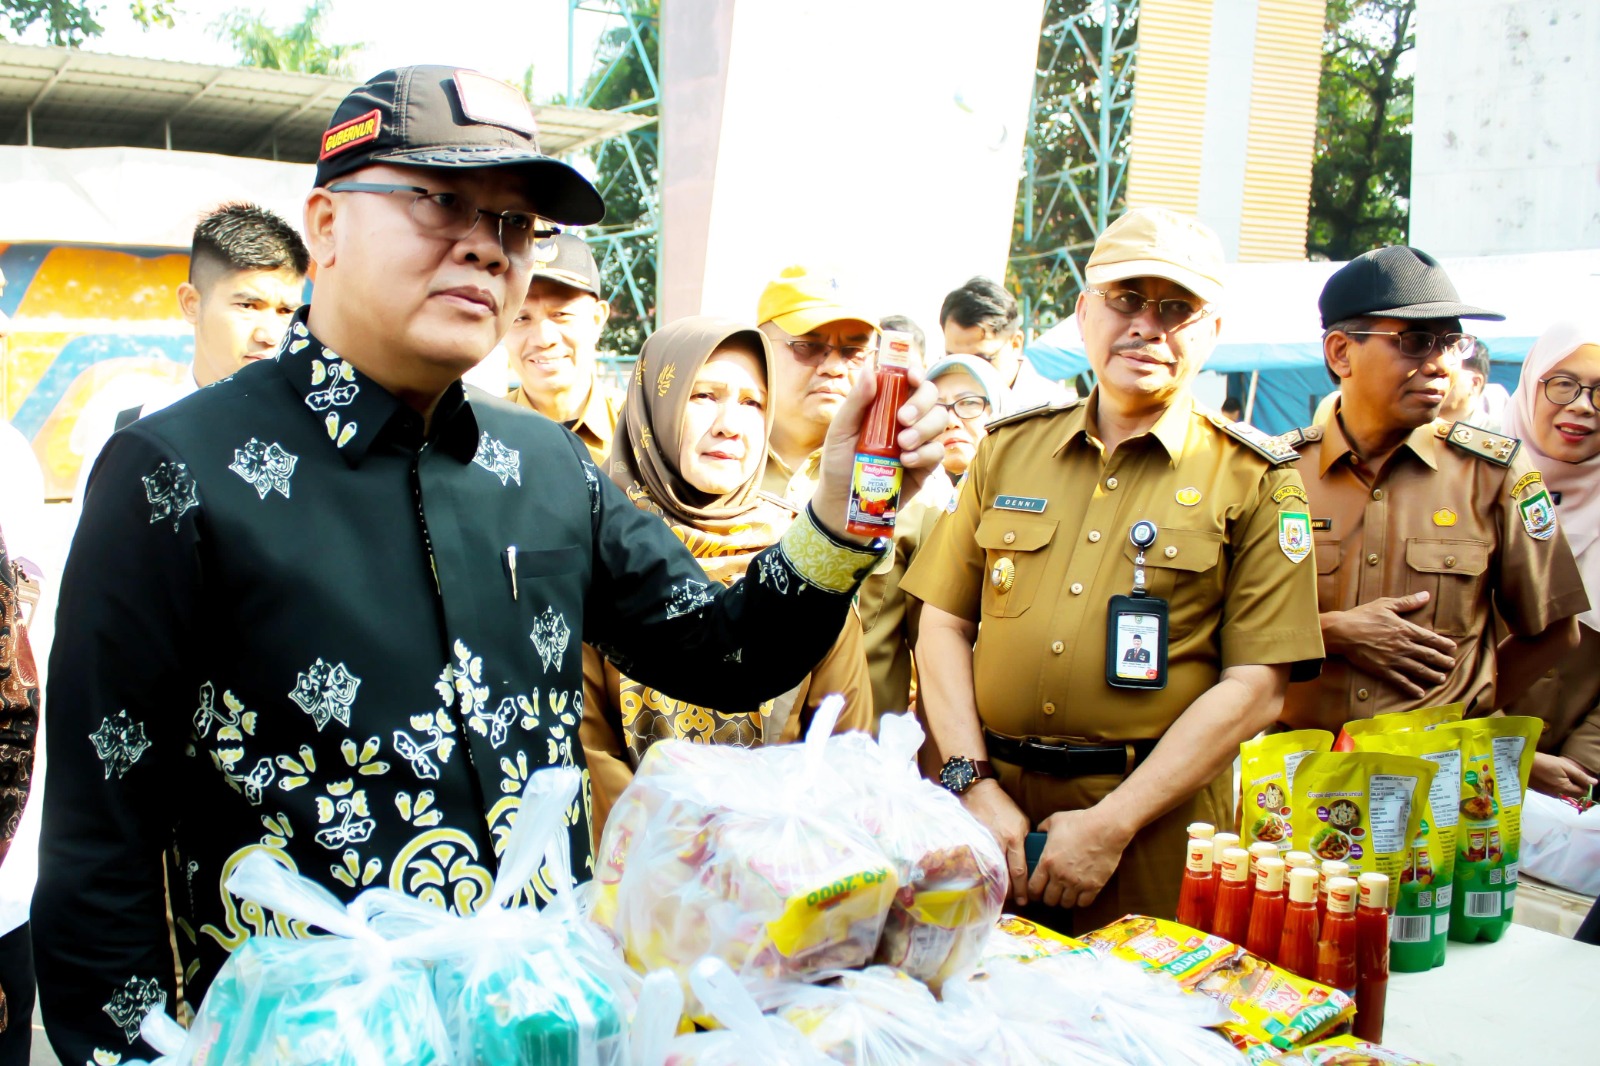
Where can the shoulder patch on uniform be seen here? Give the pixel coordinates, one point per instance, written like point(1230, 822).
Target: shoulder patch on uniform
point(1495, 448)
point(1275, 450)
point(1532, 477)
point(1033, 412)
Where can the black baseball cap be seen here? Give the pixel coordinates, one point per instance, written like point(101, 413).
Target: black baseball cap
point(566, 258)
point(1394, 282)
point(433, 116)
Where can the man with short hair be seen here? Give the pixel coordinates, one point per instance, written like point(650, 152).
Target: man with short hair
point(1423, 528)
point(820, 346)
point(1467, 380)
point(981, 318)
point(331, 609)
point(554, 342)
point(1135, 510)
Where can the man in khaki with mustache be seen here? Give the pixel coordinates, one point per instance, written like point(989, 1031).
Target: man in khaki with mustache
point(1135, 511)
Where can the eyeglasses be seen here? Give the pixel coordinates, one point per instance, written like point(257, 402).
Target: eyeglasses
point(814, 353)
point(1173, 314)
point(452, 216)
point(966, 406)
point(1564, 390)
point(1419, 343)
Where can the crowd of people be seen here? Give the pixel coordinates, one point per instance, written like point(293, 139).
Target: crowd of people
point(335, 606)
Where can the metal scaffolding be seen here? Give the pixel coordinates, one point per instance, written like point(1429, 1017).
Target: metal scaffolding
point(1076, 159)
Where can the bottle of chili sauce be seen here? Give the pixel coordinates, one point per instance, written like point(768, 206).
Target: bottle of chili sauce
point(1220, 843)
point(1336, 942)
point(1232, 915)
point(1297, 947)
point(1198, 897)
point(1372, 956)
point(1331, 868)
point(1261, 849)
point(1266, 913)
point(875, 484)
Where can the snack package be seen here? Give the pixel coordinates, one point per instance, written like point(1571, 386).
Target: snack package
point(1496, 759)
point(873, 1017)
point(350, 999)
point(1018, 938)
point(1343, 1051)
point(754, 856)
point(1364, 808)
point(951, 871)
point(1267, 766)
point(1398, 722)
point(1421, 918)
point(1265, 1004)
point(746, 1035)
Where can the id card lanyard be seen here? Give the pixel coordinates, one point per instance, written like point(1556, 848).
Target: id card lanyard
point(1136, 625)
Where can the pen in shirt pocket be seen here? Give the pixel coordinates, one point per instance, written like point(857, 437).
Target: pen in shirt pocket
point(511, 568)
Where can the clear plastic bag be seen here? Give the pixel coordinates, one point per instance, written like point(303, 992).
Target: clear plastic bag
point(873, 1017)
point(747, 1036)
point(745, 855)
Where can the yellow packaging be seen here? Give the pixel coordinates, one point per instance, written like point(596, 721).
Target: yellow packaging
point(1342, 1051)
point(1399, 722)
point(1270, 1005)
point(1496, 758)
point(1268, 764)
point(1018, 938)
point(1364, 808)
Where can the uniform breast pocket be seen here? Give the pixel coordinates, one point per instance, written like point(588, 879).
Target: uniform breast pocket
point(1016, 549)
point(1181, 567)
point(1329, 553)
point(1452, 573)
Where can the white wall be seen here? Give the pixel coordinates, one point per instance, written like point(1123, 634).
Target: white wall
point(879, 138)
point(1506, 150)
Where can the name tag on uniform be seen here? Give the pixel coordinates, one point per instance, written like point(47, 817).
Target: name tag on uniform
point(1020, 503)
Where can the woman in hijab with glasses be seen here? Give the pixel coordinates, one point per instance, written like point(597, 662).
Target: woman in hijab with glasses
point(1557, 415)
point(691, 447)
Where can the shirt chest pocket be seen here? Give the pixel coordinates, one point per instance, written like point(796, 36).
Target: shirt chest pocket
point(1329, 553)
point(1181, 568)
point(1452, 573)
point(1016, 551)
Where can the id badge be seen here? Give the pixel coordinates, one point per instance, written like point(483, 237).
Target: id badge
point(1136, 642)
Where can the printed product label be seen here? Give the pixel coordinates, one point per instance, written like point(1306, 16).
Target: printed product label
point(875, 493)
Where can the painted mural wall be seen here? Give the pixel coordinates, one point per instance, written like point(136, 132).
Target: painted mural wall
point(94, 330)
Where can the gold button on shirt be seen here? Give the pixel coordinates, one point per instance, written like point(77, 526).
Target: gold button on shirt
point(1438, 518)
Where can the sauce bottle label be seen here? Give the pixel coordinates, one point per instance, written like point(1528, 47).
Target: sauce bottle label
point(874, 496)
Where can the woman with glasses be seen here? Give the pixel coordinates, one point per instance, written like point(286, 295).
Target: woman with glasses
point(1554, 411)
point(691, 448)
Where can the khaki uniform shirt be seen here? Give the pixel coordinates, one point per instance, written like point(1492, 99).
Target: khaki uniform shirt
point(597, 422)
point(1235, 596)
point(1454, 512)
point(796, 486)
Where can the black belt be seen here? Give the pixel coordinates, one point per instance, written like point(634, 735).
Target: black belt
point(1060, 759)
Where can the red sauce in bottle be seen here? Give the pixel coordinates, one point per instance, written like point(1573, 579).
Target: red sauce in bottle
point(875, 483)
point(1266, 913)
point(1232, 915)
point(1198, 896)
point(1336, 942)
point(1372, 957)
point(1297, 946)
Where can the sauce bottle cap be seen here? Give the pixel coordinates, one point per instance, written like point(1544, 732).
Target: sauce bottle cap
point(894, 349)
point(1236, 865)
point(1202, 830)
point(1334, 868)
point(1201, 856)
point(1341, 895)
point(1269, 874)
point(1262, 849)
point(1225, 841)
point(1303, 885)
point(1374, 890)
point(1297, 859)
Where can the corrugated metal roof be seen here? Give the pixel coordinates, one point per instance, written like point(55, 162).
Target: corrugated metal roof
point(88, 100)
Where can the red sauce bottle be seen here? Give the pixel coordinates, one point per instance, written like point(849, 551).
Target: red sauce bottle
point(875, 484)
point(1232, 915)
point(1197, 899)
point(1331, 868)
point(1261, 849)
point(1297, 946)
point(1372, 956)
point(1221, 842)
point(1266, 913)
point(1336, 942)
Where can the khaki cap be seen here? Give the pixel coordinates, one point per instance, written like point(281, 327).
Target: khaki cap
point(1152, 242)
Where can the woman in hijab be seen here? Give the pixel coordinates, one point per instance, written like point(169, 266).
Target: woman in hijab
point(691, 446)
point(1554, 411)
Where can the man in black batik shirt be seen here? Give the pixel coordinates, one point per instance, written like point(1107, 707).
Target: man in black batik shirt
point(331, 608)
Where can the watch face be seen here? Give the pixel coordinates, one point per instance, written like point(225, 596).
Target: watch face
point(958, 774)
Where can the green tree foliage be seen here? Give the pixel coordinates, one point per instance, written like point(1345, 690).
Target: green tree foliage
point(299, 48)
point(1361, 177)
point(71, 22)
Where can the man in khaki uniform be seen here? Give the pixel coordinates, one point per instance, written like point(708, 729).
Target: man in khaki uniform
point(554, 342)
point(820, 346)
point(1038, 545)
point(1423, 527)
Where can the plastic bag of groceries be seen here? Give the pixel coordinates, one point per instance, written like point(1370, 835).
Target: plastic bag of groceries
point(165, 1036)
point(748, 855)
point(873, 1017)
point(746, 1035)
point(349, 999)
point(951, 870)
point(516, 984)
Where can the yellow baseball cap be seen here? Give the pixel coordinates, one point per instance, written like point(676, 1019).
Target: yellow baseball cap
point(800, 300)
point(1153, 242)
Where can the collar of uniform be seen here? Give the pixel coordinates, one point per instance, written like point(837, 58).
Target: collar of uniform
point(356, 411)
point(597, 416)
point(1171, 429)
point(1423, 442)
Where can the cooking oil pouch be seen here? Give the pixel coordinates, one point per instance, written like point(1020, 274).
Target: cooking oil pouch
point(1342, 1051)
point(1421, 901)
point(1267, 767)
point(1361, 807)
point(1398, 722)
point(1496, 758)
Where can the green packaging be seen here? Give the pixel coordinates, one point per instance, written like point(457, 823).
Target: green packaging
point(1496, 759)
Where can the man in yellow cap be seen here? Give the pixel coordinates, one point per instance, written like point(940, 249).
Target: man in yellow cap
point(820, 346)
point(1080, 526)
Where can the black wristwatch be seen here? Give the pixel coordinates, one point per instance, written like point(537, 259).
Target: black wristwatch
point(961, 773)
